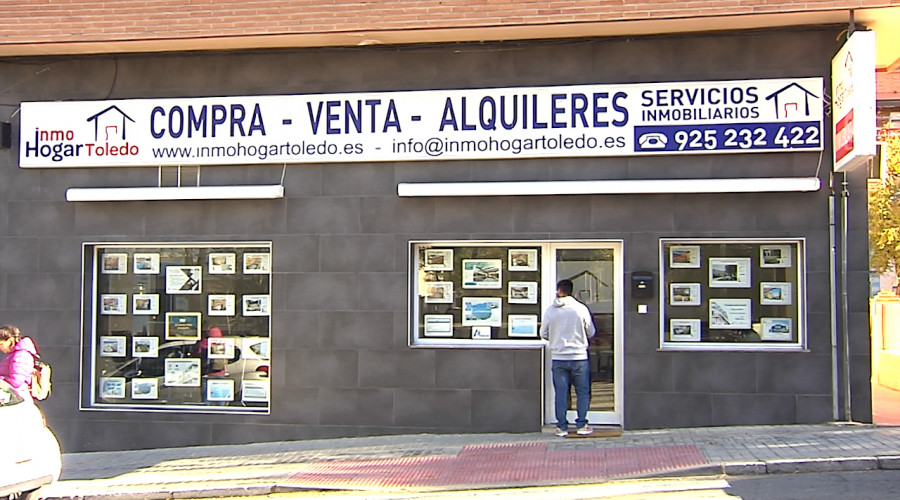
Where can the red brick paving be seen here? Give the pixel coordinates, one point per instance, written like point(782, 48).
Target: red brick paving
point(529, 463)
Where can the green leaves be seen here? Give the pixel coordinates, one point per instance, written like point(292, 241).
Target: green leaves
point(884, 208)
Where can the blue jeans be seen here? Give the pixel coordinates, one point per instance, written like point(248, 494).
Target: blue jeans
point(566, 374)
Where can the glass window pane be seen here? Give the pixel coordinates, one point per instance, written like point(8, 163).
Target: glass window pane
point(732, 293)
point(181, 326)
point(485, 293)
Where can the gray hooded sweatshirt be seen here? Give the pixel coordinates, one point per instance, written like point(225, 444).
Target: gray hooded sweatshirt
point(567, 325)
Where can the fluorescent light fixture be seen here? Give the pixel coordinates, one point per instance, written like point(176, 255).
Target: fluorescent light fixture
point(251, 192)
point(628, 186)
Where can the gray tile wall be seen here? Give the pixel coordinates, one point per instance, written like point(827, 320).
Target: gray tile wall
point(341, 365)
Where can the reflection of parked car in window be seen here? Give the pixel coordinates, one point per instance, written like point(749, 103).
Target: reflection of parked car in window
point(248, 362)
point(30, 457)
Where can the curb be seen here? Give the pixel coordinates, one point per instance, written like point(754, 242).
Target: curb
point(787, 466)
point(822, 465)
point(170, 492)
point(792, 466)
point(889, 462)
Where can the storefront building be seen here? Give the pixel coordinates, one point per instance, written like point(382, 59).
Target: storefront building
point(295, 243)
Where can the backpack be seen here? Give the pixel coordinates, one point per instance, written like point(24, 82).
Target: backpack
point(40, 380)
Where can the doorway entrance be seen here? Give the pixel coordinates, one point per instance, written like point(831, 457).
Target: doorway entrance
point(595, 268)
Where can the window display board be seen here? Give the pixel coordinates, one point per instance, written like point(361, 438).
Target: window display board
point(732, 294)
point(178, 327)
point(482, 294)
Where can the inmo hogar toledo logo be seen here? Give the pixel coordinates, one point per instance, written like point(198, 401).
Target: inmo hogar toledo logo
point(108, 139)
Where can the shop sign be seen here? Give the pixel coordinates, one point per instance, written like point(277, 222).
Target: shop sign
point(747, 116)
point(853, 102)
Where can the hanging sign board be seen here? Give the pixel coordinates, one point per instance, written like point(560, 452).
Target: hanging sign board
point(853, 101)
point(744, 116)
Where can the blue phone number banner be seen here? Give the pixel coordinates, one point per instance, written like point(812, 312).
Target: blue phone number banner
point(733, 137)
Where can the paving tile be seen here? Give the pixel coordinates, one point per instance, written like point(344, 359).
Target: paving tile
point(484, 465)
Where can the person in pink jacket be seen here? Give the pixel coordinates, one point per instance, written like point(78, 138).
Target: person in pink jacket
point(17, 365)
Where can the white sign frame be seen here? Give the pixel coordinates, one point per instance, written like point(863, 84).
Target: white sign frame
point(853, 91)
point(593, 120)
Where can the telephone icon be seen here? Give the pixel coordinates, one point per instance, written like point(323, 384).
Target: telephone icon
point(653, 140)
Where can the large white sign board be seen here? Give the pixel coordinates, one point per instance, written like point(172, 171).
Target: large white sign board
point(853, 101)
point(502, 123)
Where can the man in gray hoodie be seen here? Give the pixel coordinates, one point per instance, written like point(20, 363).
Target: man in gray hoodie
point(567, 325)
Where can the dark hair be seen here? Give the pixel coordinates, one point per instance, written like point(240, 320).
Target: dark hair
point(565, 286)
point(10, 332)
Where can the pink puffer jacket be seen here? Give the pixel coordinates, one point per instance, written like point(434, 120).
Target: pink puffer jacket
point(17, 367)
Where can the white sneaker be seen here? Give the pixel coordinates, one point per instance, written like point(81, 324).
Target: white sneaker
point(561, 432)
point(585, 431)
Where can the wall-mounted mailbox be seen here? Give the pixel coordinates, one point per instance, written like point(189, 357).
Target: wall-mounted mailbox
point(642, 285)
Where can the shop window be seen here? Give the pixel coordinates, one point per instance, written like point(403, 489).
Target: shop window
point(486, 295)
point(178, 327)
point(732, 294)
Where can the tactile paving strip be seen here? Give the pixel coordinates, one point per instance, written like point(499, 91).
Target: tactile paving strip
point(508, 464)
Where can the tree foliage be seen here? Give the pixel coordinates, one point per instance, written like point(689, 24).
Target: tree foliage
point(884, 208)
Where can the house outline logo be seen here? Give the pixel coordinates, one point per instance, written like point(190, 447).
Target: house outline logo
point(783, 107)
point(848, 65)
point(114, 128)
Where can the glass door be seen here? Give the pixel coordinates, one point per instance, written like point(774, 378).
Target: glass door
point(595, 268)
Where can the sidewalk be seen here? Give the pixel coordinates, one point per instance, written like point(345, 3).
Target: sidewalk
point(472, 461)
